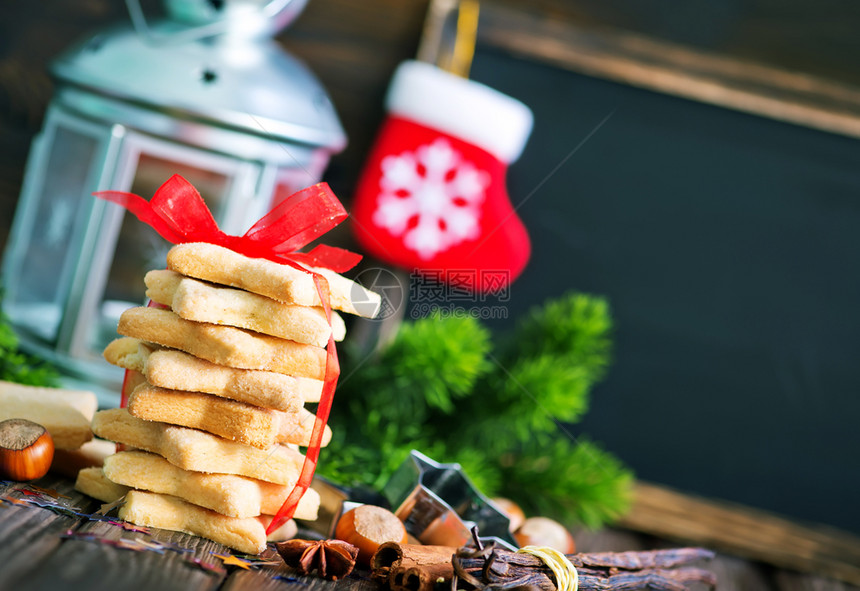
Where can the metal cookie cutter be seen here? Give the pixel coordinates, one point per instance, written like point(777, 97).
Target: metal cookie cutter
point(439, 505)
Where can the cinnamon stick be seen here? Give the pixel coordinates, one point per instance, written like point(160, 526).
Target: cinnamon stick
point(412, 567)
point(423, 578)
point(394, 553)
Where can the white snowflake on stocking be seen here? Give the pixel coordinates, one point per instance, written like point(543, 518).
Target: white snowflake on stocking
point(431, 197)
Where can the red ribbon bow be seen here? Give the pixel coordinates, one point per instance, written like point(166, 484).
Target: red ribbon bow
point(179, 214)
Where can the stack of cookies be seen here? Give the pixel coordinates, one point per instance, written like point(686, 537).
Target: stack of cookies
point(220, 373)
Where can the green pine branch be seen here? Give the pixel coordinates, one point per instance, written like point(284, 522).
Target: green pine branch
point(440, 388)
point(441, 358)
point(576, 326)
point(573, 481)
point(530, 397)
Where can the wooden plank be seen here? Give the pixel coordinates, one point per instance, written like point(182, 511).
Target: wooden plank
point(88, 565)
point(354, 47)
point(35, 554)
point(746, 532)
point(789, 581)
point(736, 574)
point(30, 534)
point(673, 69)
point(282, 577)
point(608, 540)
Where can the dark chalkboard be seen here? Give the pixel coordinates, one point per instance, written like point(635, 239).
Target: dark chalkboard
point(728, 245)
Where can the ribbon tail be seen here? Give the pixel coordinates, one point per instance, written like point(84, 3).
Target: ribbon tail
point(127, 376)
point(298, 220)
point(142, 210)
point(332, 371)
point(337, 259)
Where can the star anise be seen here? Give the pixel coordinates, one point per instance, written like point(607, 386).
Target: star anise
point(331, 559)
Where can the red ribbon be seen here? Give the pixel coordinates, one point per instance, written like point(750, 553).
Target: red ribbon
point(179, 214)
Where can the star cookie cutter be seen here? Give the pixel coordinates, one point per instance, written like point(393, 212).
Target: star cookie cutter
point(439, 505)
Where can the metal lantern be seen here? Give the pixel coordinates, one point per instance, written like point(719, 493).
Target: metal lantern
point(206, 94)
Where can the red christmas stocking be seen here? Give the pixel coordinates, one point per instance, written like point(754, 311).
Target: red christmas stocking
point(432, 195)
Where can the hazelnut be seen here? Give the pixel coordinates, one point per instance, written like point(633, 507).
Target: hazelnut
point(511, 510)
point(26, 450)
point(542, 531)
point(367, 527)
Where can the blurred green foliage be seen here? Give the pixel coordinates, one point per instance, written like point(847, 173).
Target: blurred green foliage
point(17, 366)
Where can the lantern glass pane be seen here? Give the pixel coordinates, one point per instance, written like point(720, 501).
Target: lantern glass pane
point(51, 254)
point(304, 175)
point(139, 248)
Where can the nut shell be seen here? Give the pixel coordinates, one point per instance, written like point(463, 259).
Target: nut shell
point(26, 450)
point(543, 531)
point(367, 527)
point(516, 516)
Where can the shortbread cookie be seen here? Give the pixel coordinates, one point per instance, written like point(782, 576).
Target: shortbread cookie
point(280, 282)
point(296, 428)
point(224, 345)
point(232, 420)
point(236, 496)
point(204, 302)
point(66, 414)
point(166, 512)
point(176, 370)
point(287, 531)
point(199, 451)
point(93, 482)
point(237, 421)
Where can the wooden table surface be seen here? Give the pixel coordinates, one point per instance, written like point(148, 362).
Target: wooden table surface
point(41, 548)
point(65, 548)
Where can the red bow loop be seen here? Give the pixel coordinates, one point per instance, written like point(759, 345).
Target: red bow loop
point(180, 205)
point(330, 257)
point(308, 214)
point(179, 214)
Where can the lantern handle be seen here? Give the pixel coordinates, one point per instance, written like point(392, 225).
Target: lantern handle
point(138, 21)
